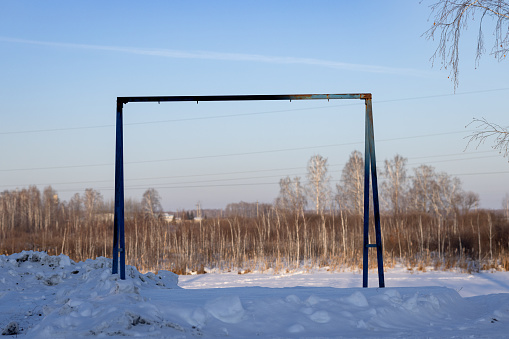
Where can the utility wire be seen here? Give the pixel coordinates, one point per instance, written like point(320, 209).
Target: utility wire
point(301, 168)
point(165, 177)
point(130, 188)
point(247, 114)
point(452, 160)
point(127, 188)
point(227, 154)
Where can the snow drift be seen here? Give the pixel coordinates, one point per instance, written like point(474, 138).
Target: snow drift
point(45, 296)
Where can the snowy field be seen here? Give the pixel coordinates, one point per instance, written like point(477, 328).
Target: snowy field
point(45, 296)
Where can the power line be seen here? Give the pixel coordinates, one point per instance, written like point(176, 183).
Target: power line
point(176, 120)
point(168, 177)
point(444, 95)
point(56, 129)
point(53, 167)
point(212, 180)
point(187, 184)
point(257, 171)
point(180, 187)
point(247, 184)
point(165, 177)
point(452, 154)
point(452, 160)
point(247, 114)
point(226, 155)
point(480, 173)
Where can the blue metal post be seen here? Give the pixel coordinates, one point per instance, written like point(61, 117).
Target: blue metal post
point(365, 247)
point(376, 205)
point(118, 223)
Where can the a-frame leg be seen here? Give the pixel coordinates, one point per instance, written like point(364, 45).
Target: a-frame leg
point(370, 166)
point(118, 221)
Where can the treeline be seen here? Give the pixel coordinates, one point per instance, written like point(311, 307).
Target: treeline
point(423, 191)
point(427, 220)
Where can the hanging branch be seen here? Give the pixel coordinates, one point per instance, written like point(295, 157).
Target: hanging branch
point(452, 17)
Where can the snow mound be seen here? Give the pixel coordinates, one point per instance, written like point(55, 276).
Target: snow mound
point(227, 309)
point(56, 295)
point(45, 296)
point(30, 268)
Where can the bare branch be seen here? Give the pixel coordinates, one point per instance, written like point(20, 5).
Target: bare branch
point(487, 130)
point(450, 19)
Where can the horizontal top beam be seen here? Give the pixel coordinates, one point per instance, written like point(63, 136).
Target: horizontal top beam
point(255, 97)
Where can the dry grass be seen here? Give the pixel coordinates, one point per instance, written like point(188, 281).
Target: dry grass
point(274, 241)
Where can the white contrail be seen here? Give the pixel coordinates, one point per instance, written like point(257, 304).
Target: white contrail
point(207, 55)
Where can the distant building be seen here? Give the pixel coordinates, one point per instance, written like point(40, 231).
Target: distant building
point(167, 217)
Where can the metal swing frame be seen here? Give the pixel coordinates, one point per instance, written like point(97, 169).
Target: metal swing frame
point(119, 251)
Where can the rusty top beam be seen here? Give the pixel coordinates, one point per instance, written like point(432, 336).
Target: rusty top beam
point(255, 97)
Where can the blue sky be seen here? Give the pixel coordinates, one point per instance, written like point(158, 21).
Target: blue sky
point(64, 63)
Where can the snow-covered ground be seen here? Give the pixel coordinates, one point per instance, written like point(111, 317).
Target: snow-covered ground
point(45, 296)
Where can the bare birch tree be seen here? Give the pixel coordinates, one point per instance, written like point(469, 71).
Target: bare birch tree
point(433, 192)
point(92, 199)
point(35, 210)
point(151, 203)
point(318, 188)
point(446, 194)
point(469, 201)
point(505, 206)
point(291, 195)
point(132, 207)
point(421, 188)
point(351, 188)
point(50, 203)
point(395, 185)
point(9, 208)
point(75, 209)
point(451, 18)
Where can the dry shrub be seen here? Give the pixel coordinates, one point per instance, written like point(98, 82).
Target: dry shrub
point(277, 240)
